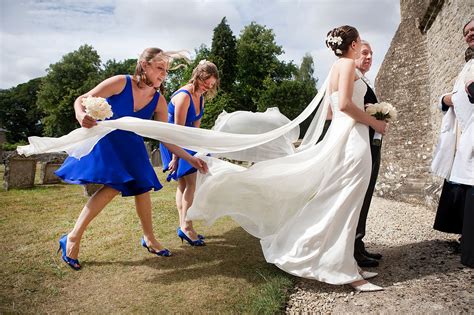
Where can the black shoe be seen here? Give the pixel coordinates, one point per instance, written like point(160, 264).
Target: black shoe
point(364, 261)
point(371, 255)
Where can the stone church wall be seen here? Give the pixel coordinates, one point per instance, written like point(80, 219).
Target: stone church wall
point(424, 58)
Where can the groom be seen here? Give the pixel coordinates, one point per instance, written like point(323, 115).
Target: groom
point(362, 256)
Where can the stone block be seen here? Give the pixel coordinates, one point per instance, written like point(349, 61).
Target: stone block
point(156, 158)
point(90, 189)
point(148, 147)
point(19, 173)
point(47, 175)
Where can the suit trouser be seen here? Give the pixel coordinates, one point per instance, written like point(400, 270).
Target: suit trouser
point(360, 232)
point(467, 239)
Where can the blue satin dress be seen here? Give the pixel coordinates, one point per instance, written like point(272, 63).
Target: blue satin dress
point(120, 159)
point(184, 168)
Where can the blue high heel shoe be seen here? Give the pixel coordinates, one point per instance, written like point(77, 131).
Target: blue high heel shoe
point(164, 252)
point(200, 236)
point(73, 263)
point(183, 236)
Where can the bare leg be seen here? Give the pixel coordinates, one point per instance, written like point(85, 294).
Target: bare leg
point(179, 202)
point(143, 205)
point(188, 197)
point(93, 207)
point(358, 282)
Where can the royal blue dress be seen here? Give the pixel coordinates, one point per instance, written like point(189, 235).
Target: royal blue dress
point(184, 168)
point(120, 159)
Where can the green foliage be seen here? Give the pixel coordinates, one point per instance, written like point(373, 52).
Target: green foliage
point(222, 101)
point(291, 96)
point(18, 112)
point(224, 54)
point(179, 77)
point(75, 74)
point(12, 146)
point(306, 71)
point(113, 67)
point(257, 58)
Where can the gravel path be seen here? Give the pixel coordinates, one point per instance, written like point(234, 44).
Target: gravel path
point(420, 271)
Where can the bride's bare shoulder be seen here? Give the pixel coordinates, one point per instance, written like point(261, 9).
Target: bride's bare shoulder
point(346, 62)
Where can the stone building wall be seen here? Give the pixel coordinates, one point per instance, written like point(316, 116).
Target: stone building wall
point(422, 63)
point(446, 47)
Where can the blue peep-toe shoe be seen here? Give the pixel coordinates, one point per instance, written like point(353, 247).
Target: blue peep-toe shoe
point(183, 236)
point(164, 252)
point(200, 236)
point(73, 263)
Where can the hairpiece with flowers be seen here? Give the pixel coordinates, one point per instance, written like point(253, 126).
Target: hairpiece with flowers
point(335, 40)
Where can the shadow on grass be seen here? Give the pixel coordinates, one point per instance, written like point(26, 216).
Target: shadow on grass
point(222, 256)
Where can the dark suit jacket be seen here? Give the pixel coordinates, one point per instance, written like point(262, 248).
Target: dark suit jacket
point(370, 96)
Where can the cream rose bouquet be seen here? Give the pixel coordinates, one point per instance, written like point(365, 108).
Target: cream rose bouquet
point(381, 111)
point(97, 107)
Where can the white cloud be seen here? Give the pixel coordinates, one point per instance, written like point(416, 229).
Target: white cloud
point(35, 34)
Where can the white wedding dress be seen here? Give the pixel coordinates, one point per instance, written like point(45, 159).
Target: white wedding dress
point(304, 207)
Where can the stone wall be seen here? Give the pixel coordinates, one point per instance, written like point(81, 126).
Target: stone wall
point(446, 47)
point(422, 63)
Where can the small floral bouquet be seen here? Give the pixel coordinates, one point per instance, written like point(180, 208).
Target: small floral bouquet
point(381, 111)
point(97, 107)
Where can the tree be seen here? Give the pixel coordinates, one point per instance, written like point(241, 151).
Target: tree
point(75, 74)
point(224, 54)
point(306, 71)
point(179, 77)
point(257, 60)
point(291, 96)
point(221, 102)
point(113, 67)
point(19, 113)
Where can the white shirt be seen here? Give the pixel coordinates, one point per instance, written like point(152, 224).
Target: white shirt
point(452, 161)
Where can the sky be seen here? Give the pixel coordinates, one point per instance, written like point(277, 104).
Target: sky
point(37, 33)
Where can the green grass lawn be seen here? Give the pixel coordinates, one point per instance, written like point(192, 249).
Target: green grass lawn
point(118, 275)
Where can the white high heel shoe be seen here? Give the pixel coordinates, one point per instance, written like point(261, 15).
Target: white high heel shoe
point(367, 274)
point(367, 287)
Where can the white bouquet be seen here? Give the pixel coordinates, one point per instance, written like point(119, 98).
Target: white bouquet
point(381, 111)
point(97, 107)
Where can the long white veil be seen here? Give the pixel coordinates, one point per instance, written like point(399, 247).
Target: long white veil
point(81, 141)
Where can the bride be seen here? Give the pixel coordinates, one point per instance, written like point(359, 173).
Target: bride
point(305, 207)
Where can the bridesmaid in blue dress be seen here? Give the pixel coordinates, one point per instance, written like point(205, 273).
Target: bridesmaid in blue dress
point(120, 161)
point(186, 107)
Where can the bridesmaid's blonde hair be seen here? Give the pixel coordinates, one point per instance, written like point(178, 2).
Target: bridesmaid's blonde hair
point(203, 71)
point(154, 54)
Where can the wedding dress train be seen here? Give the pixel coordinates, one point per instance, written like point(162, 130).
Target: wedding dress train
point(304, 207)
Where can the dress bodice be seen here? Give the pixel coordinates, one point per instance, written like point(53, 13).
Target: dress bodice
point(191, 115)
point(360, 88)
point(122, 103)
